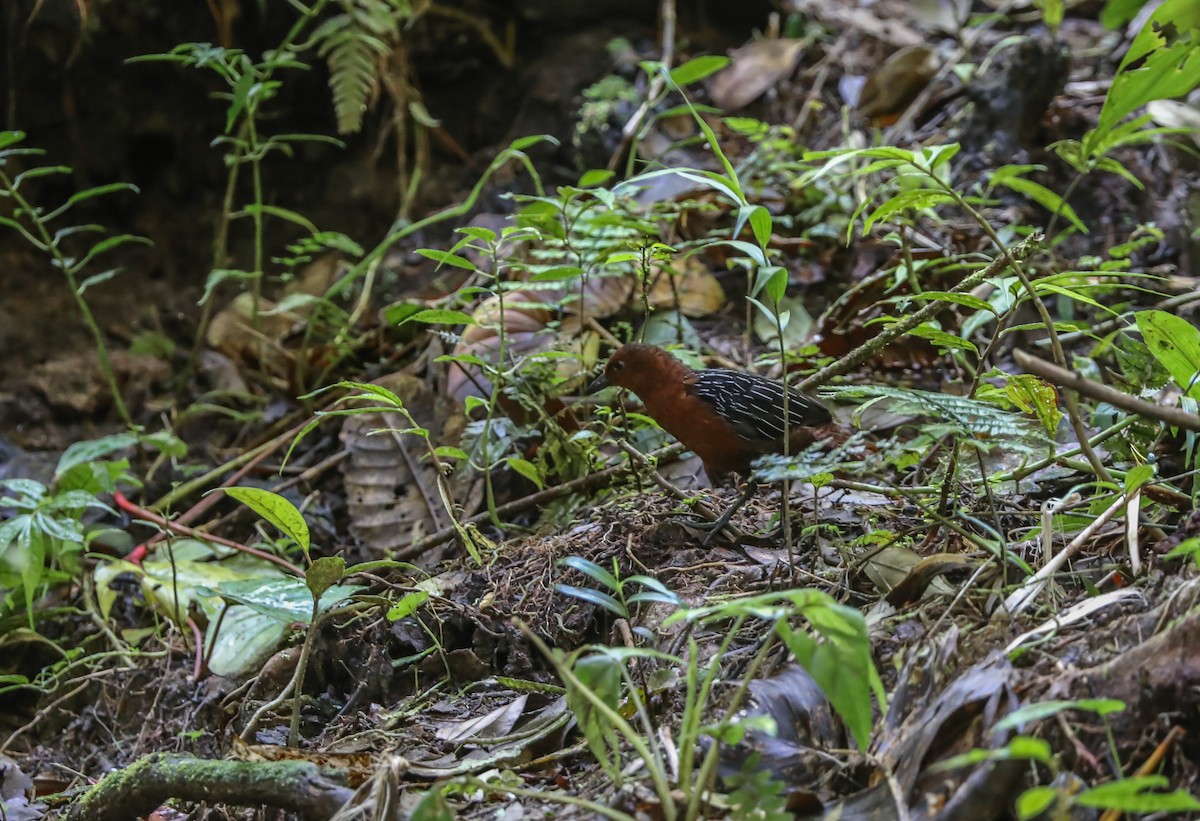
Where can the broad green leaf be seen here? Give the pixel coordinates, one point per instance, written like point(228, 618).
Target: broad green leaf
point(760, 223)
point(1175, 343)
point(1033, 395)
point(407, 605)
point(697, 69)
point(527, 469)
point(276, 510)
point(1162, 62)
point(1034, 801)
point(93, 449)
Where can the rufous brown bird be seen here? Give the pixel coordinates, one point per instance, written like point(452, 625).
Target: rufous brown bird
point(728, 418)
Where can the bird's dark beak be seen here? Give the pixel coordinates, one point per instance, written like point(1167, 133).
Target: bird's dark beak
point(598, 384)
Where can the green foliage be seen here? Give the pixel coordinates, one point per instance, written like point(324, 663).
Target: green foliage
point(838, 657)
point(67, 246)
point(43, 539)
point(618, 600)
point(1141, 794)
point(1162, 62)
point(276, 510)
point(1175, 343)
point(971, 420)
point(355, 44)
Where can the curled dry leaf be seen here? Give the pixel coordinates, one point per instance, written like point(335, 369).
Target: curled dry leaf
point(235, 333)
point(891, 88)
point(526, 332)
point(686, 285)
point(391, 486)
point(755, 68)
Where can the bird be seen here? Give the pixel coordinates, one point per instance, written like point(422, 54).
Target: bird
point(726, 417)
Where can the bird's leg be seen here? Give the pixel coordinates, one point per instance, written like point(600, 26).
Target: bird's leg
point(719, 525)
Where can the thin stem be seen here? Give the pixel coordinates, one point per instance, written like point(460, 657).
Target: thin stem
point(69, 270)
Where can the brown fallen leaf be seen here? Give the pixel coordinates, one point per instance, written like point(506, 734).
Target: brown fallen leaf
point(755, 68)
point(892, 87)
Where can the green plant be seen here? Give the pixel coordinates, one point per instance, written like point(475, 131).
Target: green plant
point(1138, 794)
point(602, 690)
point(252, 85)
point(67, 246)
point(1162, 62)
point(619, 601)
point(322, 580)
point(43, 541)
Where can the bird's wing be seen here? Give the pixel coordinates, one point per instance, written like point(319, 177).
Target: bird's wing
point(753, 405)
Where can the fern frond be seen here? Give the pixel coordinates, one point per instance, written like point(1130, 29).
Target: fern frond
point(968, 419)
point(354, 44)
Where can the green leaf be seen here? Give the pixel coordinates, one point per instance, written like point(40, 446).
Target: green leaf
point(1044, 197)
point(1044, 709)
point(324, 574)
point(450, 452)
point(527, 469)
point(1034, 801)
point(1162, 62)
point(942, 339)
point(1188, 547)
point(593, 596)
point(440, 316)
point(841, 663)
point(87, 194)
point(591, 570)
point(760, 223)
point(276, 510)
point(966, 300)
point(1137, 476)
point(595, 178)
point(431, 806)
point(446, 258)
point(1175, 343)
point(1033, 395)
point(93, 449)
point(407, 605)
point(697, 69)
point(1138, 794)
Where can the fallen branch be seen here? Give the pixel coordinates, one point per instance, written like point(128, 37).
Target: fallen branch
point(298, 786)
point(1064, 378)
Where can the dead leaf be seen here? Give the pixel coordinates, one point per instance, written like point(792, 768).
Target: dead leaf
point(498, 722)
point(891, 88)
point(755, 68)
point(391, 486)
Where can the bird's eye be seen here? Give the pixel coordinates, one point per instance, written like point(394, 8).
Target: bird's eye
point(618, 365)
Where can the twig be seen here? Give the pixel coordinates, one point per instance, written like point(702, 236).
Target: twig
point(699, 505)
point(1024, 595)
point(667, 12)
point(1064, 378)
point(183, 530)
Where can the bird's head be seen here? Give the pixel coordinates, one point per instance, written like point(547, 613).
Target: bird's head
point(640, 368)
